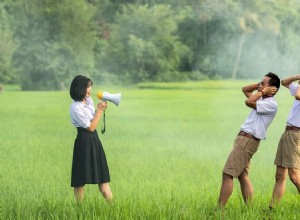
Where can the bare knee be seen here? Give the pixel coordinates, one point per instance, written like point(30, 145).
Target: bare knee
point(294, 178)
point(280, 176)
point(243, 176)
point(106, 191)
point(245, 181)
point(226, 176)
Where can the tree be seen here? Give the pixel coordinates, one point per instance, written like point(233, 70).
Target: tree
point(256, 21)
point(205, 29)
point(143, 45)
point(8, 46)
point(288, 40)
point(247, 24)
point(56, 42)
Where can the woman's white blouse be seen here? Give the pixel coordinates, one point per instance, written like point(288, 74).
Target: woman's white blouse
point(82, 114)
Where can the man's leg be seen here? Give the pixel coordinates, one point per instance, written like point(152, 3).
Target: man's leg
point(294, 175)
point(226, 189)
point(279, 188)
point(246, 187)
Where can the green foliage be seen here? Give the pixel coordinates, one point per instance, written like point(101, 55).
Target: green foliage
point(205, 29)
point(289, 39)
point(143, 45)
point(44, 44)
point(8, 46)
point(57, 43)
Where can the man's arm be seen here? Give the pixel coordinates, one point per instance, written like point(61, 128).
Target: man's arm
point(248, 90)
point(287, 81)
point(267, 92)
point(251, 101)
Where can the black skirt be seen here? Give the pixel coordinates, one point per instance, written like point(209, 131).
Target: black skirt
point(89, 160)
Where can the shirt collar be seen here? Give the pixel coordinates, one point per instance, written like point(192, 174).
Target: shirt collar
point(271, 98)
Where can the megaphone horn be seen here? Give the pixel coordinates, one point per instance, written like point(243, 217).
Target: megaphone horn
point(106, 96)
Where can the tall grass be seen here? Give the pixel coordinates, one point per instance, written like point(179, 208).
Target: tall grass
point(166, 145)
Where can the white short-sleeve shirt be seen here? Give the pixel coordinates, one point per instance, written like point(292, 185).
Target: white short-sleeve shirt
point(82, 114)
point(259, 120)
point(294, 115)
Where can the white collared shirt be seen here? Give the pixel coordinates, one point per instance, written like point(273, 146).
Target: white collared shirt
point(82, 114)
point(259, 120)
point(294, 115)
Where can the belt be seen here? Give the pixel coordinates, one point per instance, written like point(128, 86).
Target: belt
point(242, 133)
point(292, 128)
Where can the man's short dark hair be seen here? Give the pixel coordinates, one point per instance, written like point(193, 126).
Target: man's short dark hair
point(78, 87)
point(274, 80)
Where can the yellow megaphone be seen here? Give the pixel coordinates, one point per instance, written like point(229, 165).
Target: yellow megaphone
point(106, 96)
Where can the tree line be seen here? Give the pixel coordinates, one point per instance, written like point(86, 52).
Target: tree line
point(45, 43)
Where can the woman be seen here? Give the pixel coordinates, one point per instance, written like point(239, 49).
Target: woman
point(89, 160)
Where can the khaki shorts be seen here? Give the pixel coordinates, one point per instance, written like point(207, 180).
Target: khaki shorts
point(239, 158)
point(288, 151)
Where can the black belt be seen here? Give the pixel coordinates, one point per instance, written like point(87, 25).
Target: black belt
point(81, 129)
point(242, 133)
point(292, 128)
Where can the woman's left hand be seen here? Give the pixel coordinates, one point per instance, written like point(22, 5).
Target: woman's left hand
point(102, 106)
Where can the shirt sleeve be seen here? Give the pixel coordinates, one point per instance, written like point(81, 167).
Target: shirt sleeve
point(266, 107)
point(293, 88)
point(81, 117)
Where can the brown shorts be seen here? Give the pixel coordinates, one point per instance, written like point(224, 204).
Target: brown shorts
point(239, 158)
point(288, 151)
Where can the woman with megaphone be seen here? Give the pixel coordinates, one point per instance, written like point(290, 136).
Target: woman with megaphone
point(89, 161)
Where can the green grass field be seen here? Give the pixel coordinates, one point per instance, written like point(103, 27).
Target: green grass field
point(166, 145)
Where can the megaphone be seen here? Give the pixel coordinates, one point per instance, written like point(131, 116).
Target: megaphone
point(106, 96)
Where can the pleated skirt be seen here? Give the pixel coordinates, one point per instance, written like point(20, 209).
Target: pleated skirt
point(89, 164)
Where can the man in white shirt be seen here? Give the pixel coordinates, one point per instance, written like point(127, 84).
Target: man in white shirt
point(264, 109)
point(288, 152)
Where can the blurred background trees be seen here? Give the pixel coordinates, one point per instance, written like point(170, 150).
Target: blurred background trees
point(45, 43)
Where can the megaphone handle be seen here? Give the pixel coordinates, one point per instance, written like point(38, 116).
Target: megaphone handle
point(103, 126)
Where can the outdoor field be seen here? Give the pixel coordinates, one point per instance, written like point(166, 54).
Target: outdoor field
point(166, 145)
